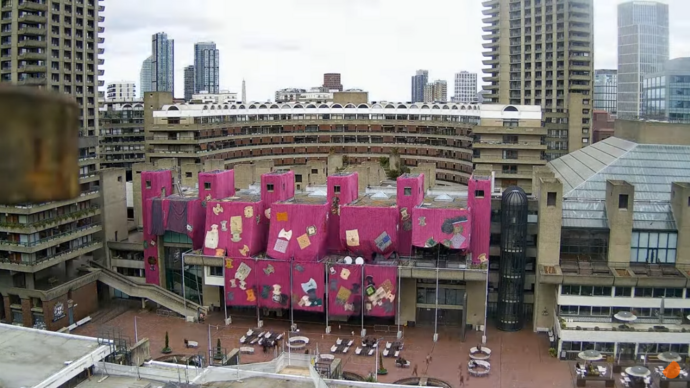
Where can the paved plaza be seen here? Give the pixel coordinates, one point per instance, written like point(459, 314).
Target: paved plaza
point(518, 360)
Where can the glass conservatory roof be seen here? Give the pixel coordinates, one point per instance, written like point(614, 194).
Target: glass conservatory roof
point(651, 168)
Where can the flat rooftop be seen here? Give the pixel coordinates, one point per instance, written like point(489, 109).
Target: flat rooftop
point(373, 201)
point(305, 199)
point(29, 356)
point(254, 382)
point(446, 203)
point(243, 197)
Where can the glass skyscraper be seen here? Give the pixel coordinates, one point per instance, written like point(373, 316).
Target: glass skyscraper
point(419, 81)
point(162, 63)
point(643, 48)
point(606, 90)
point(145, 77)
point(666, 94)
point(206, 66)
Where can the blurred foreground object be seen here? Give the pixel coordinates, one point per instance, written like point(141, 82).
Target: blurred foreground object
point(38, 146)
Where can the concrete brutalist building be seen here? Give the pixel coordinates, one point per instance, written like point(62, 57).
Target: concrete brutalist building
point(55, 46)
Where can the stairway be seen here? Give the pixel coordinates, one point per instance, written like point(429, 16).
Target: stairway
point(151, 292)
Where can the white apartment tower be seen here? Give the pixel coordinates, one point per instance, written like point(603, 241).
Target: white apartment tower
point(465, 87)
point(121, 91)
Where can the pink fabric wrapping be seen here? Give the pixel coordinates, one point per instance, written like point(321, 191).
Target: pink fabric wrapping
point(297, 231)
point(380, 290)
point(347, 187)
point(414, 197)
point(365, 230)
point(283, 184)
point(234, 228)
point(345, 290)
point(196, 220)
point(273, 285)
point(480, 208)
point(222, 184)
point(450, 227)
point(308, 290)
point(240, 282)
point(152, 185)
point(151, 265)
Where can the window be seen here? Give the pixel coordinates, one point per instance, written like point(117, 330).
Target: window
point(314, 170)
point(207, 185)
point(298, 178)
point(623, 291)
point(653, 247)
point(148, 184)
point(215, 271)
point(479, 193)
point(623, 201)
point(508, 169)
point(119, 178)
point(551, 199)
point(510, 154)
point(188, 174)
point(269, 187)
point(407, 191)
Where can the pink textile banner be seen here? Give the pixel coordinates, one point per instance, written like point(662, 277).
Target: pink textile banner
point(234, 228)
point(154, 184)
point(273, 283)
point(297, 231)
point(151, 265)
point(479, 201)
point(345, 290)
point(405, 231)
point(380, 290)
point(449, 227)
point(196, 220)
point(308, 291)
point(216, 184)
point(240, 282)
point(277, 186)
point(365, 230)
point(342, 190)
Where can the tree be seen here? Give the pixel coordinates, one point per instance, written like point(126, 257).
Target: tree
point(219, 351)
point(382, 370)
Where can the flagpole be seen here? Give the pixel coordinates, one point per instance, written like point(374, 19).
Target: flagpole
point(292, 316)
point(258, 313)
point(328, 282)
point(361, 289)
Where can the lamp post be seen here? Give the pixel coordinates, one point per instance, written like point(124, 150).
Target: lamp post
point(376, 372)
point(184, 289)
point(210, 349)
point(136, 332)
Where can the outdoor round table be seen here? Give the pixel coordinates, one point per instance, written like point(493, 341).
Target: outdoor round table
point(625, 316)
point(590, 355)
point(638, 371)
point(669, 357)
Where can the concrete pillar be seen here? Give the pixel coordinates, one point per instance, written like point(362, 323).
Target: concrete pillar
point(335, 162)
point(680, 203)
point(549, 192)
point(137, 169)
point(476, 297)
point(213, 165)
point(190, 174)
point(408, 301)
point(29, 280)
point(620, 196)
point(245, 175)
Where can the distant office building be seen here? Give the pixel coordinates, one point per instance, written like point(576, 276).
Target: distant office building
point(206, 66)
point(145, 77)
point(465, 87)
point(643, 48)
point(162, 63)
point(331, 81)
point(419, 81)
point(606, 90)
point(666, 94)
point(436, 91)
point(313, 94)
point(222, 97)
point(122, 91)
point(189, 82)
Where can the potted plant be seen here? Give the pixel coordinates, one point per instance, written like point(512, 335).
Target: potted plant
point(219, 351)
point(552, 352)
point(382, 370)
point(166, 349)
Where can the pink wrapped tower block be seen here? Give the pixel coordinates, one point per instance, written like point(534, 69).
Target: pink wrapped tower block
point(216, 184)
point(276, 186)
point(479, 202)
point(410, 194)
point(343, 188)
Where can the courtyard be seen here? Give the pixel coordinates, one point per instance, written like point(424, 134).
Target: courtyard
point(518, 360)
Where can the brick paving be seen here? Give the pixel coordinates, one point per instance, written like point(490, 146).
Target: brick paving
point(518, 360)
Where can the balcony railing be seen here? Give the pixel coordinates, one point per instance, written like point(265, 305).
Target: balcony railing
point(48, 239)
point(85, 246)
point(48, 222)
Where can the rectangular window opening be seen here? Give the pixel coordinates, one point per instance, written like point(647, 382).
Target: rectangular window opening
point(551, 199)
point(623, 201)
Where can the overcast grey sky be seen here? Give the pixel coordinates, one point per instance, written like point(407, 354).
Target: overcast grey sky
point(376, 44)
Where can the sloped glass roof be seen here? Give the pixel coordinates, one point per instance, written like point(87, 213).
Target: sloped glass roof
point(651, 168)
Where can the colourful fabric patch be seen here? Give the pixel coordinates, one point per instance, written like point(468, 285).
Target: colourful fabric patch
point(311, 230)
point(249, 211)
point(236, 224)
point(383, 241)
point(282, 216)
point(286, 234)
point(303, 241)
point(352, 238)
point(224, 226)
point(280, 246)
point(244, 250)
point(422, 221)
point(269, 270)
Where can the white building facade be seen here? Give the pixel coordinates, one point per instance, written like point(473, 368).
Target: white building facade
point(121, 91)
point(465, 88)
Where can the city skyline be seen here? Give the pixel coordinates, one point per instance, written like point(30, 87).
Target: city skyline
point(271, 58)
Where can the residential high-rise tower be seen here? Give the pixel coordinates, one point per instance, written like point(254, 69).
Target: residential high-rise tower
point(465, 87)
point(189, 81)
point(419, 81)
point(145, 84)
point(643, 48)
point(122, 91)
point(162, 63)
point(436, 91)
point(331, 81)
point(541, 53)
point(206, 67)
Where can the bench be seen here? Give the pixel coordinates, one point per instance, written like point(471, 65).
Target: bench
point(480, 354)
point(479, 368)
point(298, 342)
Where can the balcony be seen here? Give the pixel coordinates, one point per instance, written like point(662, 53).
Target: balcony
point(537, 131)
point(34, 246)
point(32, 81)
point(32, 43)
point(29, 19)
point(35, 265)
point(35, 208)
point(30, 56)
point(34, 227)
point(32, 69)
point(34, 31)
point(524, 145)
point(29, 5)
